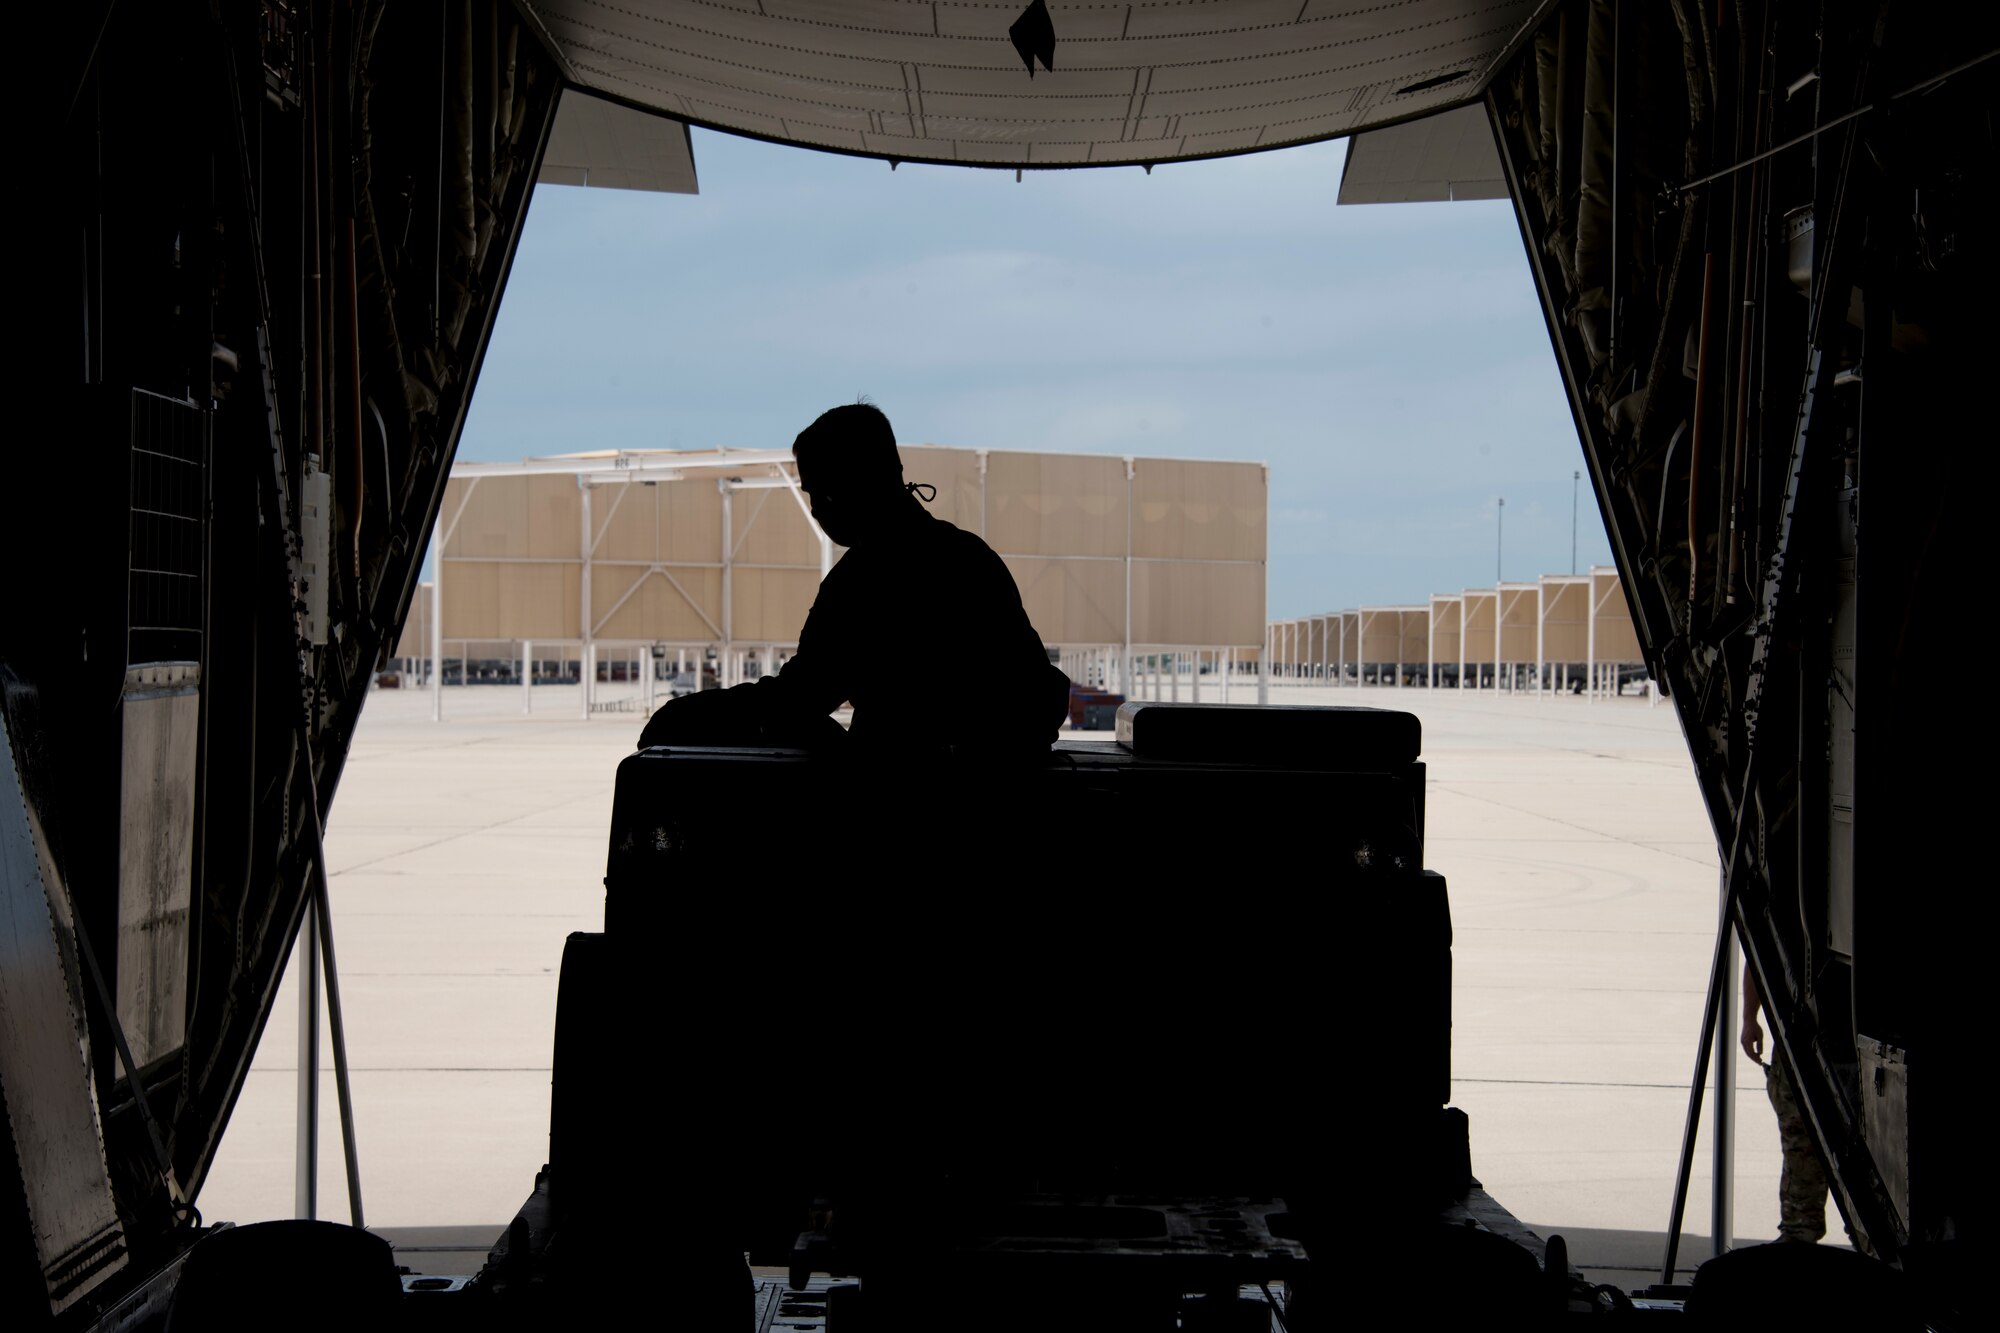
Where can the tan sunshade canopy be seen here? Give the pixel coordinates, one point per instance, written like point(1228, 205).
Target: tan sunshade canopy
point(939, 80)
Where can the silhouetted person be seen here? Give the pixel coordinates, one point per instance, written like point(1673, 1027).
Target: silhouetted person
point(1802, 1181)
point(913, 595)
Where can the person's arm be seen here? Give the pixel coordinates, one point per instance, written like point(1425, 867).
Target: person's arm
point(814, 680)
point(811, 684)
point(1753, 1035)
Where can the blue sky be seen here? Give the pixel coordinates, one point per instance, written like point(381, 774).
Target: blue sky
point(1389, 363)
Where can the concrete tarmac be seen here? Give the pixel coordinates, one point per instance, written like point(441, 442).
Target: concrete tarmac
point(1583, 886)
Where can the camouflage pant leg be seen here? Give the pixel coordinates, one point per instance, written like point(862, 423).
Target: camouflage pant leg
point(1802, 1186)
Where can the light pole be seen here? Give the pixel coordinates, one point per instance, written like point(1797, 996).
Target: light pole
point(1499, 536)
point(1575, 481)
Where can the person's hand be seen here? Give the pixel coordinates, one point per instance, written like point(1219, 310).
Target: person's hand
point(1753, 1038)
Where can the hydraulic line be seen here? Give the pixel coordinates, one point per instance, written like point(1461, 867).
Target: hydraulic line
point(1921, 85)
point(1694, 448)
point(354, 382)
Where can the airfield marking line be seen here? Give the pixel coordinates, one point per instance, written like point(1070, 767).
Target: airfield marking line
point(547, 973)
point(1583, 930)
point(419, 1069)
point(399, 752)
point(1572, 1083)
point(1595, 833)
point(604, 795)
point(1489, 985)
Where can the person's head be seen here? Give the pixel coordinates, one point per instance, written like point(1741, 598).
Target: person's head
point(850, 470)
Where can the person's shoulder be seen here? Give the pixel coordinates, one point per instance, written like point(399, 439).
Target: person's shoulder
point(962, 542)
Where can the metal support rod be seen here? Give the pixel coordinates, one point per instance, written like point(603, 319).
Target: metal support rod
point(1710, 1015)
point(527, 676)
point(305, 1169)
point(1722, 1138)
point(343, 1088)
point(162, 1160)
point(318, 909)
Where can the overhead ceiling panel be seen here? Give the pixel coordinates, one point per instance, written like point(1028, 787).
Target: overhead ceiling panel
point(1448, 156)
point(609, 146)
point(939, 80)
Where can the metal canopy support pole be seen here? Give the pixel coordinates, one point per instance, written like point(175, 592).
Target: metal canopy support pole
point(1125, 651)
point(1194, 659)
point(1496, 638)
point(527, 676)
point(588, 657)
point(1461, 641)
point(1590, 647)
point(437, 632)
point(726, 663)
point(1541, 643)
point(305, 1170)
